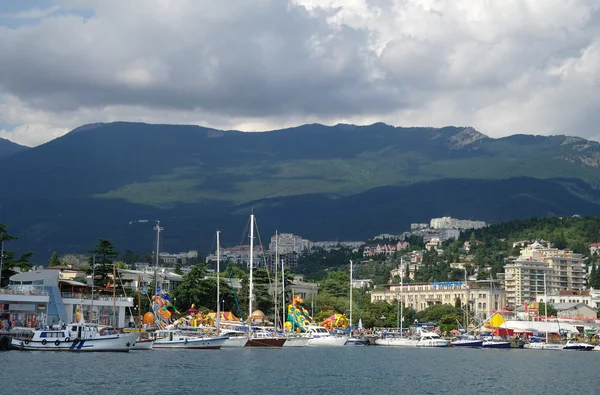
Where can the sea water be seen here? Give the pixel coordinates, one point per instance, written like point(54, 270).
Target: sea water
point(303, 370)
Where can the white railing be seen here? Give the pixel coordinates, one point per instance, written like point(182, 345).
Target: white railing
point(75, 295)
point(23, 290)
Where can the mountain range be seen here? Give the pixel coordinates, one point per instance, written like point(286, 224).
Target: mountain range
point(8, 148)
point(337, 182)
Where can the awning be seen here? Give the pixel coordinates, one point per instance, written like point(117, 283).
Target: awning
point(74, 283)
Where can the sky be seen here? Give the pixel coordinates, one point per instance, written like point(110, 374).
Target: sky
point(500, 66)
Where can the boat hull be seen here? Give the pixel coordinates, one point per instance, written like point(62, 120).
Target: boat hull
point(544, 346)
point(578, 347)
point(432, 343)
point(235, 342)
point(113, 343)
point(328, 341)
point(467, 343)
point(396, 342)
point(144, 344)
point(296, 342)
point(490, 344)
point(356, 342)
point(202, 343)
point(266, 342)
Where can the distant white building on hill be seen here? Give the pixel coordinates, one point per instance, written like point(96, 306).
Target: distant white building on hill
point(453, 223)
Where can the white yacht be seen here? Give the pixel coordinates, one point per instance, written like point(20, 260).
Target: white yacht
point(76, 337)
point(320, 336)
point(394, 340)
point(170, 338)
point(431, 339)
point(544, 346)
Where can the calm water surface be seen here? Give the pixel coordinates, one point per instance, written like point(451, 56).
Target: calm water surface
point(304, 370)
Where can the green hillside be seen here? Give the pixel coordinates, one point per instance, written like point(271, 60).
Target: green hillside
point(323, 182)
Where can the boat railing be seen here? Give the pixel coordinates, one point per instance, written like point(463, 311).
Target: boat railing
point(24, 290)
point(76, 295)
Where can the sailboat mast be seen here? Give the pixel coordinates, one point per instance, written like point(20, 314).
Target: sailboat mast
point(139, 302)
point(158, 229)
point(251, 286)
point(283, 318)
point(218, 283)
point(276, 288)
point(546, 306)
point(401, 315)
point(350, 296)
point(114, 295)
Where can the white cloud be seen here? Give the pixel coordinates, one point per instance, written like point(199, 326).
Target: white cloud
point(501, 66)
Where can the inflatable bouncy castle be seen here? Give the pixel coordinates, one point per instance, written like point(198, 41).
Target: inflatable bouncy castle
point(298, 318)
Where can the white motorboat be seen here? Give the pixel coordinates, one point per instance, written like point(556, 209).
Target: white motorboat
point(431, 339)
point(396, 341)
point(543, 346)
point(76, 337)
point(170, 338)
point(320, 336)
point(597, 348)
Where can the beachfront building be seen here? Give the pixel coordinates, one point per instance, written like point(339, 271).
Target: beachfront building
point(478, 295)
point(524, 278)
point(47, 297)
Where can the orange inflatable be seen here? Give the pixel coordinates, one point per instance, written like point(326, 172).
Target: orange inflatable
point(149, 318)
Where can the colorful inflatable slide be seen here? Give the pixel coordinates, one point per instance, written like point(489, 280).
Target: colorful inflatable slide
point(298, 318)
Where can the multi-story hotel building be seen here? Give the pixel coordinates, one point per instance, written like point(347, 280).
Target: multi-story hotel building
point(481, 297)
point(524, 278)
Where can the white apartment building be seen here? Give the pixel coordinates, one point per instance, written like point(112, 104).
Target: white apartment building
point(480, 296)
point(453, 223)
point(524, 278)
point(289, 242)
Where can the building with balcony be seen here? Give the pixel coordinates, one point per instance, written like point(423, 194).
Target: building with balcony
point(42, 297)
point(524, 277)
point(289, 242)
point(480, 296)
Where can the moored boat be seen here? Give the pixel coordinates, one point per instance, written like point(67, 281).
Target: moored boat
point(544, 346)
point(495, 343)
point(169, 338)
point(320, 336)
point(393, 340)
point(265, 339)
point(578, 346)
point(470, 341)
point(76, 337)
point(431, 339)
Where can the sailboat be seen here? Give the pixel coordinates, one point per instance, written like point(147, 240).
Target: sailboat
point(400, 340)
point(353, 341)
point(235, 338)
point(258, 338)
